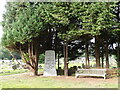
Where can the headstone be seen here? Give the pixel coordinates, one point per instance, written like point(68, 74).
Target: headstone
point(94, 66)
point(40, 67)
point(50, 65)
point(83, 66)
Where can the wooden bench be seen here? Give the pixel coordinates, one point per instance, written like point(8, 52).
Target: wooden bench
point(91, 72)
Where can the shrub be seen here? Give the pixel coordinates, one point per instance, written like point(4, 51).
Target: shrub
point(41, 58)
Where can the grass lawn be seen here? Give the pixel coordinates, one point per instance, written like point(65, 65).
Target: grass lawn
point(25, 81)
point(13, 72)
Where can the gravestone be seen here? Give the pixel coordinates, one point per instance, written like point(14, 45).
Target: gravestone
point(50, 65)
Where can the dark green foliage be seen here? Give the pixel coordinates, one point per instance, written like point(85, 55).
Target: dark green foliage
point(21, 24)
point(32, 28)
point(41, 58)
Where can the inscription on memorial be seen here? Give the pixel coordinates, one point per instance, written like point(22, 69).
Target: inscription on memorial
point(50, 67)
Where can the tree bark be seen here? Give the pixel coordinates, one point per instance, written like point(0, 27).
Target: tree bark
point(33, 72)
point(33, 58)
point(118, 55)
point(118, 41)
point(118, 58)
point(58, 61)
point(97, 51)
point(14, 57)
point(106, 53)
point(87, 56)
point(49, 45)
point(102, 57)
point(66, 59)
point(36, 58)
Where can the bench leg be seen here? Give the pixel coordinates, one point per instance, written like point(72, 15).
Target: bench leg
point(76, 76)
point(104, 77)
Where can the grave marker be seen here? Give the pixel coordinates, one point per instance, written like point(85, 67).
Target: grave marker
point(50, 65)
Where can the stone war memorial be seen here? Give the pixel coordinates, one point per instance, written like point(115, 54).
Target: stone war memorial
point(50, 65)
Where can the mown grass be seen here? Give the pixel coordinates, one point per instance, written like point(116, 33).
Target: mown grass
point(13, 72)
point(52, 82)
point(17, 72)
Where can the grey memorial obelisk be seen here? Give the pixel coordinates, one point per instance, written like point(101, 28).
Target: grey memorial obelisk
point(50, 65)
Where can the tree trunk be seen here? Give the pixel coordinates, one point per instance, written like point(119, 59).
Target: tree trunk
point(118, 58)
point(33, 72)
point(87, 56)
point(36, 58)
point(97, 52)
point(102, 57)
point(33, 56)
point(49, 45)
point(118, 55)
point(66, 59)
point(106, 53)
point(58, 61)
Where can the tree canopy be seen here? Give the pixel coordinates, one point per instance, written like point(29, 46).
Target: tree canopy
point(31, 28)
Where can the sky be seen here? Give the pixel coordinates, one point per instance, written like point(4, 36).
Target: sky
point(2, 10)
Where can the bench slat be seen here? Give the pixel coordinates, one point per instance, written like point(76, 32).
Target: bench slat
point(91, 72)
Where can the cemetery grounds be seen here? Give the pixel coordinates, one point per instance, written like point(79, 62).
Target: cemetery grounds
point(21, 79)
point(25, 81)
